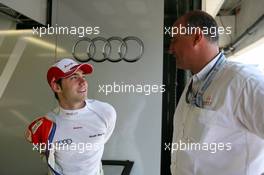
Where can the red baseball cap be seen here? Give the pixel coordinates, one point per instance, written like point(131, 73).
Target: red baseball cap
point(65, 68)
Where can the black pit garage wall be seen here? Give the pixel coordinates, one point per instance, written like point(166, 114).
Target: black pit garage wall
point(174, 79)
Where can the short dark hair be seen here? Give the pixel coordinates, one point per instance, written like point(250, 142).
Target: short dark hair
point(203, 20)
point(59, 82)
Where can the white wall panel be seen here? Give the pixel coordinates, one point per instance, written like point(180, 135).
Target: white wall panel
point(137, 135)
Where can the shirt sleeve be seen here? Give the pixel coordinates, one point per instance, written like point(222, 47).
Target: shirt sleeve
point(110, 115)
point(249, 109)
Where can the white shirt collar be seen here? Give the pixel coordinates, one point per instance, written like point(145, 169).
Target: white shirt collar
point(201, 75)
point(72, 113)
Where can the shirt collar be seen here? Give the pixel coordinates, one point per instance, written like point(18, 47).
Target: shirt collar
point(201, 75)
point(71, 113)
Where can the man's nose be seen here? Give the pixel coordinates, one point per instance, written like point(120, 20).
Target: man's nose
point(82, 80)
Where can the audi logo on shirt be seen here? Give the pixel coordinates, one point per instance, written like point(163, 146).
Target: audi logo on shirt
point(64, 142)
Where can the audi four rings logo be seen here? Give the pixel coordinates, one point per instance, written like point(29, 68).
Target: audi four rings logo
point(107, 49)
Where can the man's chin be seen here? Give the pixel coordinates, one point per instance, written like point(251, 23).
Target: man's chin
point(82, 97)
point(180, 66)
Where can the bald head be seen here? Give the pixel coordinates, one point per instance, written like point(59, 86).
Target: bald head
point(204, 21)
point(195, 42)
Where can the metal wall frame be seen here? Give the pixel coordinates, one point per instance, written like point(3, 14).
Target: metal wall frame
point(127, 165)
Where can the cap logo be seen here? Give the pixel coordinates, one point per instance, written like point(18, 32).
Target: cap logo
point(65, 66)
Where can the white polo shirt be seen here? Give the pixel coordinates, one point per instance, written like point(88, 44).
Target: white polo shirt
point(232, 115)
point(80, 137)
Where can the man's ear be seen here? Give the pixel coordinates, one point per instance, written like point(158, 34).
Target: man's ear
point(198, 36)
point(55, 87)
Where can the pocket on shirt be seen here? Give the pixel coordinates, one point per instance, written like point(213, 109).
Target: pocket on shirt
point(210, 126)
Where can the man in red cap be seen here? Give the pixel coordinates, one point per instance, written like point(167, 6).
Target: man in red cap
point(73, 135)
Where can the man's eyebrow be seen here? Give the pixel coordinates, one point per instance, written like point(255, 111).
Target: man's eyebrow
point(81, 74)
